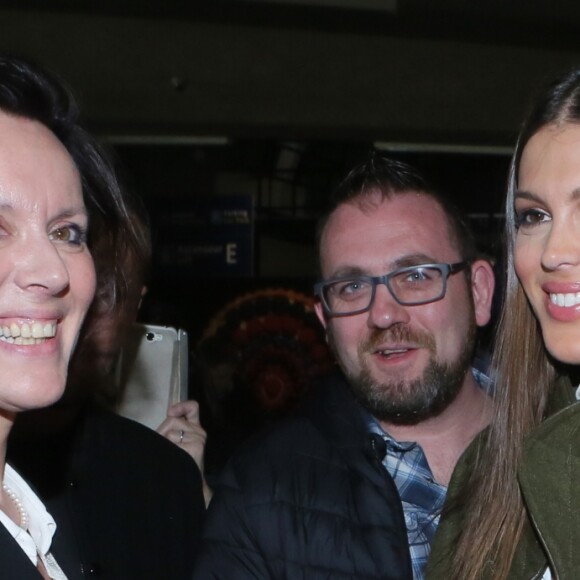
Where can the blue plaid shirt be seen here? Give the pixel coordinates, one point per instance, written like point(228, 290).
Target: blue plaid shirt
point(422, 497)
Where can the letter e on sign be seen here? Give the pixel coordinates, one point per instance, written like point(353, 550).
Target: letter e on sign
point(231, 253)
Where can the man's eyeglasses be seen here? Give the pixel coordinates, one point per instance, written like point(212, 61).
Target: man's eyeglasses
point(409, 286)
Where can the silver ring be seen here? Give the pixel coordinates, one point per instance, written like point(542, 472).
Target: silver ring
point(181, 434)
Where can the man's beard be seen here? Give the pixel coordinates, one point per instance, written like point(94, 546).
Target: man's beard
point(407, 402)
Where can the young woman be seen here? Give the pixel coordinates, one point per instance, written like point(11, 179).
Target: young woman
point(514, 504)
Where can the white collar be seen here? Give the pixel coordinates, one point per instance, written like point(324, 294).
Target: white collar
point(41, 526)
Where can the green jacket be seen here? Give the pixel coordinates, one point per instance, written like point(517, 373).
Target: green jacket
point(549, 479)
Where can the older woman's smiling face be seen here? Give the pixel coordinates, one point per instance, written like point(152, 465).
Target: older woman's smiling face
point(47, 277)
point(547, 248)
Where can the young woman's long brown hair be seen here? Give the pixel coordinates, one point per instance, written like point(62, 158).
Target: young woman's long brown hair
point(494, 512)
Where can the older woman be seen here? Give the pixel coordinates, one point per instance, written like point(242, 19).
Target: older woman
point(61, 212)
point(47, 282)
point(514, 505)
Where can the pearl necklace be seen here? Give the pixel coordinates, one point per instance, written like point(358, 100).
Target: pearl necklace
point(18, 504)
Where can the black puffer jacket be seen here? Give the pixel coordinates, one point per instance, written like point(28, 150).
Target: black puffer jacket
point(309, 499)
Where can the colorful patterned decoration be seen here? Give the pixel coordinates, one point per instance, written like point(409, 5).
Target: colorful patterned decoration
point(262, 352)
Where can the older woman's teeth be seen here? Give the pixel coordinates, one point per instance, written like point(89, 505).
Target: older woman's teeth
point(565, 299)
point(27, 333)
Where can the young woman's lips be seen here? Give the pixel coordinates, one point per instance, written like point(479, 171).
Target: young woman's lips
point(562, 301)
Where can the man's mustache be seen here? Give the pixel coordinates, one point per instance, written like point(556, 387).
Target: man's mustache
point(399, 333)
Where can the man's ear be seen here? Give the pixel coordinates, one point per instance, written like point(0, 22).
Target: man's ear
point(320, 313)
point(482, 287)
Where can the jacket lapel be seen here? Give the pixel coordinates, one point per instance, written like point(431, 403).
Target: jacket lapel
point(15, 563)
point(550, 483)
point(335, 412)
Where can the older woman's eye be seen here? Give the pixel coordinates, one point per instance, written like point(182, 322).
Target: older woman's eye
point(69, 234)
point(531, 217)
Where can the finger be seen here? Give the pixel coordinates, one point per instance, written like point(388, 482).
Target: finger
point(173, 423)
point(177, 436)
point(188, 409)
point(192, 443)
point(179, 412)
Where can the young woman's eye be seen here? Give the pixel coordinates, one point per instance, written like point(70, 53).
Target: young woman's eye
point(69, 234)
point(531, 217)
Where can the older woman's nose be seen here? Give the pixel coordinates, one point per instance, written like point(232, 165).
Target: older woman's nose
point(39, 267)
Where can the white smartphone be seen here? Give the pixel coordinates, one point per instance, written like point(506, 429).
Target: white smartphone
point(152, 373)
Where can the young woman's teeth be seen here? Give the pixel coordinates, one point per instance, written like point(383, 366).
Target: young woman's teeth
point(565, 299)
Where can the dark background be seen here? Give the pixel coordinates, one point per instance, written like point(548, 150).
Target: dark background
point(276, 100)
point(189, 176)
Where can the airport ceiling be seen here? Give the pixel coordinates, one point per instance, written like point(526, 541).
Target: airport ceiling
point(403, 71)
point(296, 91)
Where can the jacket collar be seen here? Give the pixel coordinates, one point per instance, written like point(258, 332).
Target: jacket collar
point(338, 415)
point(550, 482)
point(14, 560)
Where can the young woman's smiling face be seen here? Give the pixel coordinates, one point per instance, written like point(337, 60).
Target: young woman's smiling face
point(547, 248)
point(47, 276)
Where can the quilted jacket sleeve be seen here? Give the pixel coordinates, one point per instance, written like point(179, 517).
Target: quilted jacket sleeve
point(228, 549)
point(303, 501)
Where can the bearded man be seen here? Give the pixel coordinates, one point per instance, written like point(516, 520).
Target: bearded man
point(353, 485)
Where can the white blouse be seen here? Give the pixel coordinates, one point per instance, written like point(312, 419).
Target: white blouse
point(36, 539)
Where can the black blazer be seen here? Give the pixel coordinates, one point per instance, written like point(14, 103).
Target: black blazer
point(14, 562)
point(127, 502)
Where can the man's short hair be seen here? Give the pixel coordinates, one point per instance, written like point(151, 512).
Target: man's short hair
point(388, 177)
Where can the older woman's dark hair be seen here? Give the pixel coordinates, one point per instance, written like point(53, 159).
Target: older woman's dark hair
point(28, 90)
